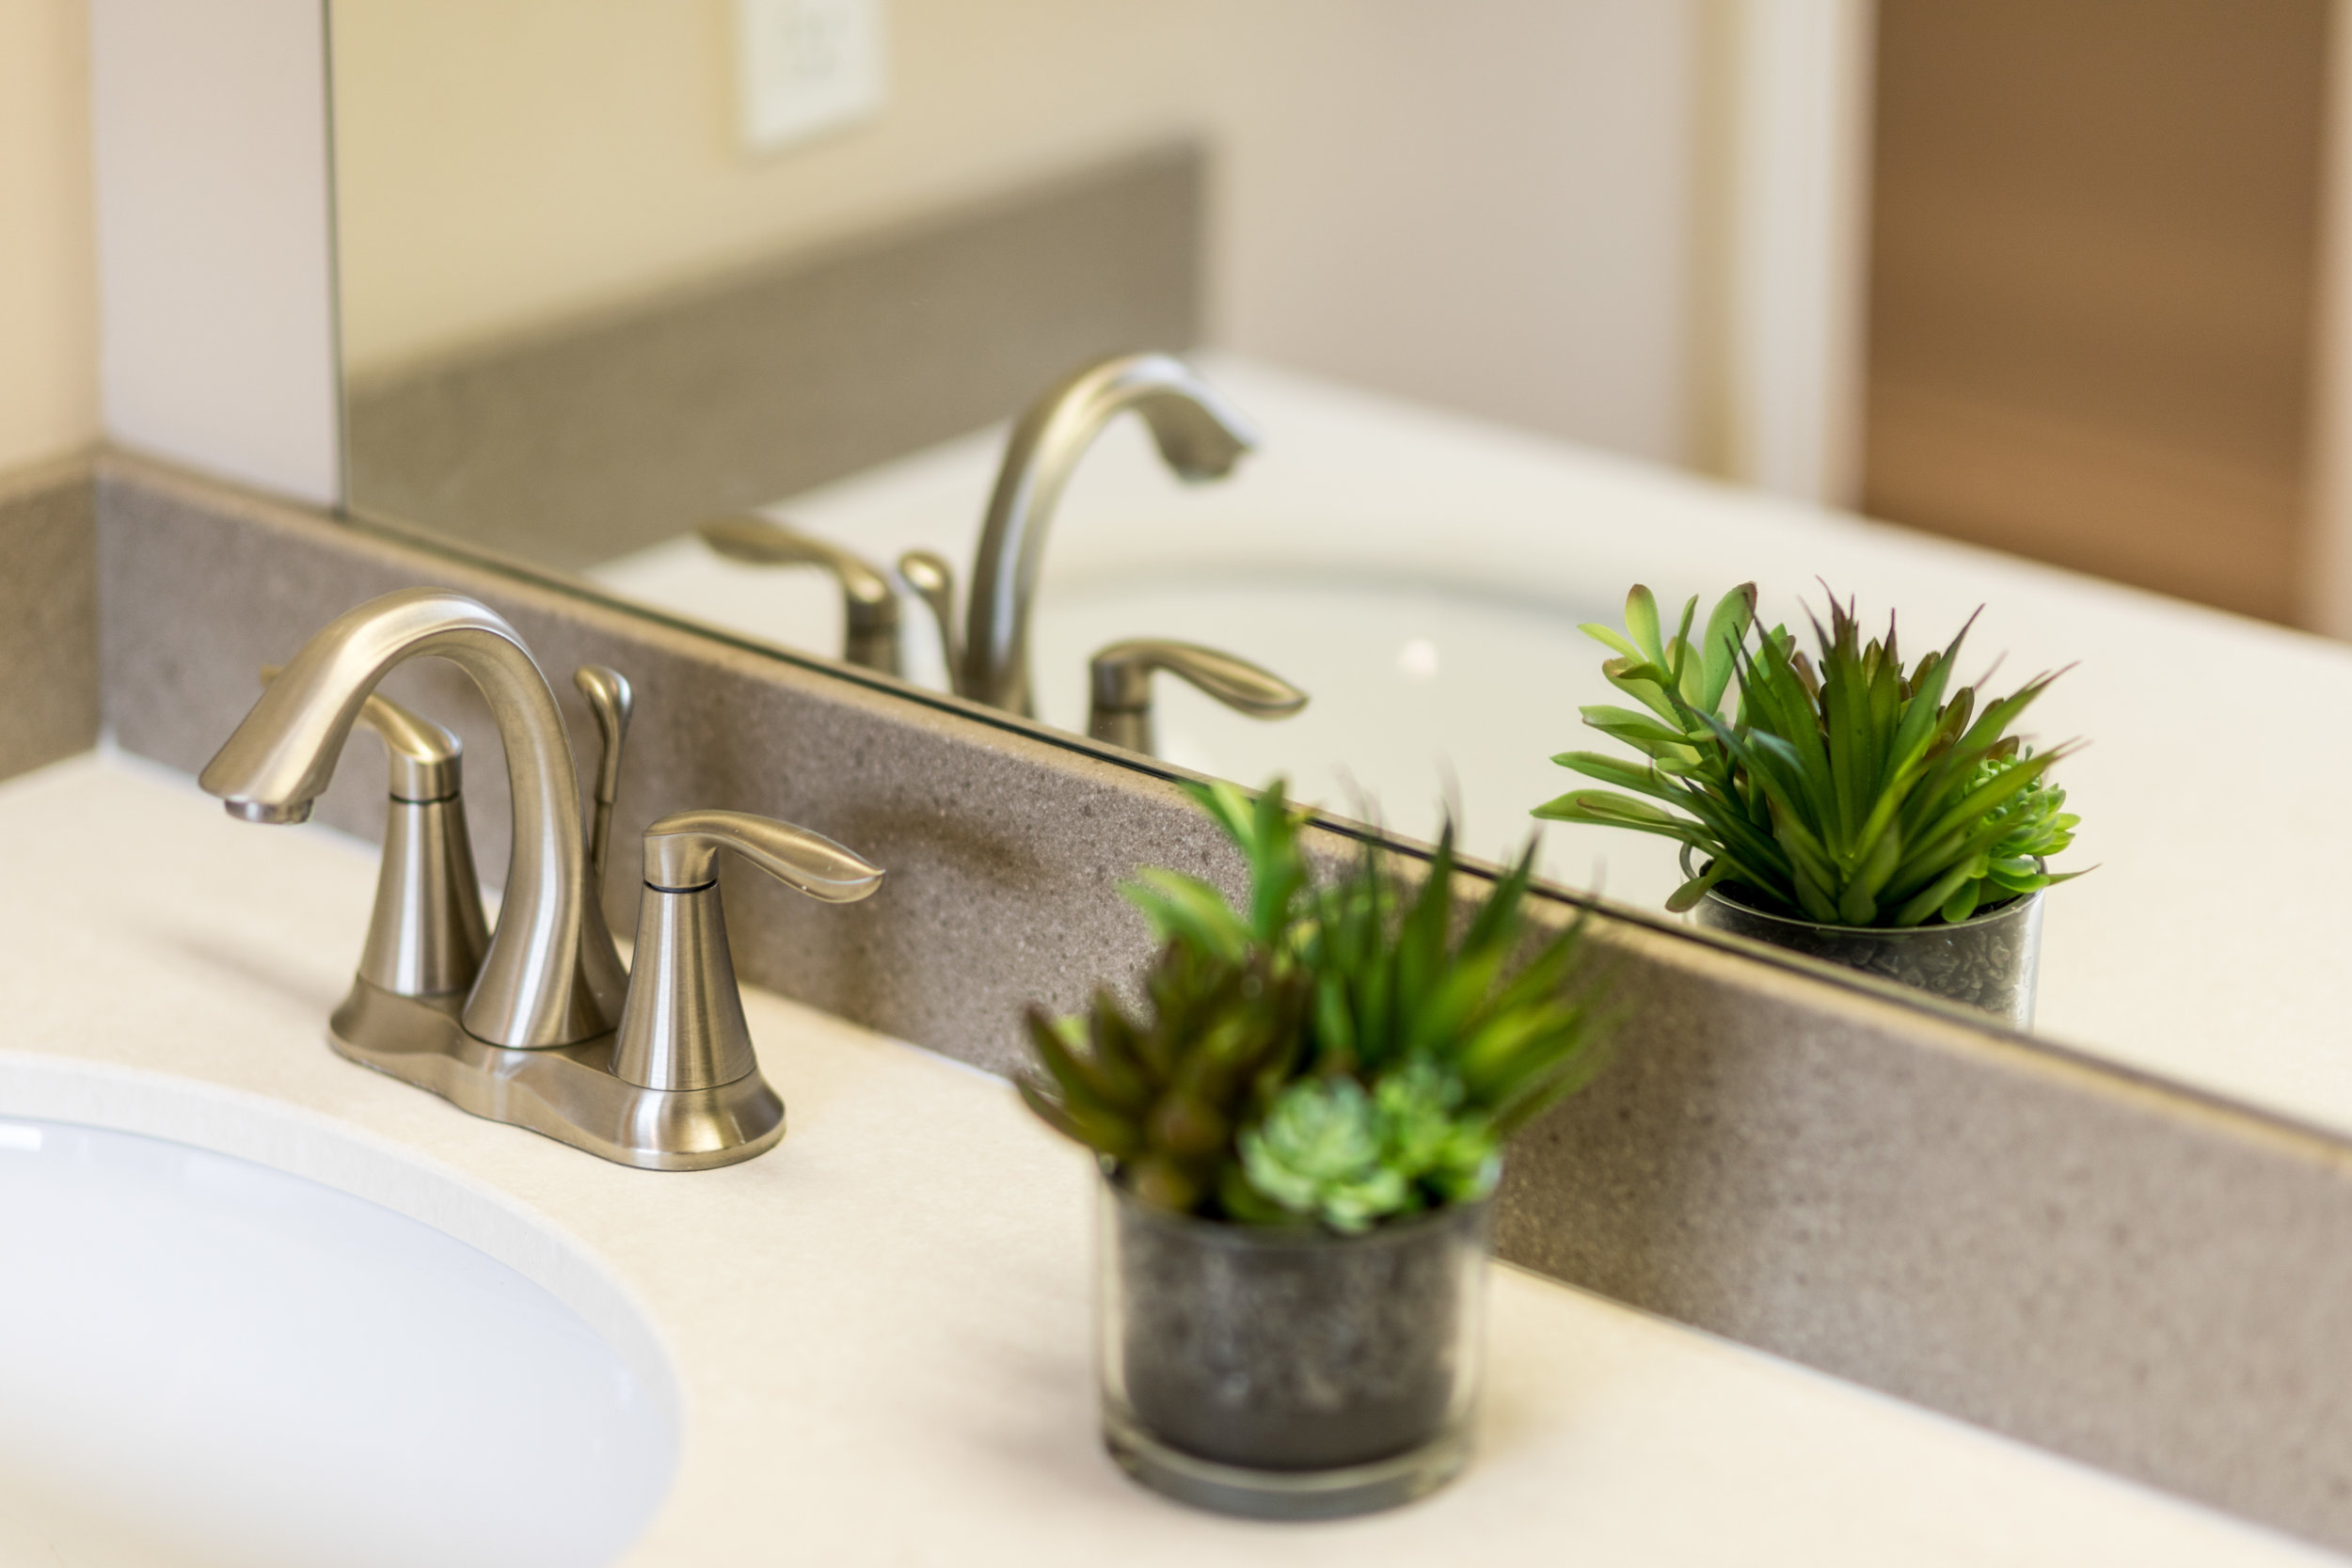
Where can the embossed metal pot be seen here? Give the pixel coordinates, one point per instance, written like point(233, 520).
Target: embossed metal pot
point(1988, 961)
point(1288, 1374)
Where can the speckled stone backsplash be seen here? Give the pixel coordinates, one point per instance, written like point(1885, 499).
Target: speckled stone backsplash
point(48, 615)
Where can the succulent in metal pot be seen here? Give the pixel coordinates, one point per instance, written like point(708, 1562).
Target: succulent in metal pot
point(1851, 792)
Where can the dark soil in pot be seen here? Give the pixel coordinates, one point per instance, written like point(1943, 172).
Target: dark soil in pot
point(1294, 1351)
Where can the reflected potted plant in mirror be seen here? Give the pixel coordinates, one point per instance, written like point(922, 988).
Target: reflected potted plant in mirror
point(1843, 807)
point(1298, 1126)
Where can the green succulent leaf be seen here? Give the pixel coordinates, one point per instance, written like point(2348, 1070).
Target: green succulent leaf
point(1608, 809)
point(1640, 731)
point(1727, 631)
point(1609, 637)
point(1687, 896)
point(1641, 623)
point(1185, 908)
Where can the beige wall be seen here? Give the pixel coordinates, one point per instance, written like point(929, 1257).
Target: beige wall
point(48, 292)
point(1485, 205)
point(505, 166)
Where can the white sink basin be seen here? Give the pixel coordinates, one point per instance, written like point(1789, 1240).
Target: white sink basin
point(204, 1360)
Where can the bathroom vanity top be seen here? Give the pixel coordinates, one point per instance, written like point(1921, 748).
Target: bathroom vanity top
point(877, 1333)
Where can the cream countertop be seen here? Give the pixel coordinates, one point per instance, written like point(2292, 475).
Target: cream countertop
point(879, 1333)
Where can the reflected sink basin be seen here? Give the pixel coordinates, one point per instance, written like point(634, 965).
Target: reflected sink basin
point(206, 1360)
point(1422, 689)
point(1402, 571)
point(1420, 692)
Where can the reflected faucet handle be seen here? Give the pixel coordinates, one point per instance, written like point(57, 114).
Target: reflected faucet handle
point(869, 608)
point(427, 935)
point(934, 583)
point(1120, 709)
point(683, 1025)
point(611, 699)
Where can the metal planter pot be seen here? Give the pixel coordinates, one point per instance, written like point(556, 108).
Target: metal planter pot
point(1988, 961)
point(1288, 1374)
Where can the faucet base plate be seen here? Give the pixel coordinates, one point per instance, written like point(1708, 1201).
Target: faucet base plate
point(567, 1092)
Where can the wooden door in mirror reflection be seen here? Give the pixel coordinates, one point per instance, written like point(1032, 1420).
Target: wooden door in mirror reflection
point(2094, 265)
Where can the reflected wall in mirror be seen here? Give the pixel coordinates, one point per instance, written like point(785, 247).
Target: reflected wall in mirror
point(1498, 295)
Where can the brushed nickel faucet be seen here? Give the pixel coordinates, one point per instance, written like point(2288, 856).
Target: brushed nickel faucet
point(1200, 435)
point(551, 976)
point(652, 1069)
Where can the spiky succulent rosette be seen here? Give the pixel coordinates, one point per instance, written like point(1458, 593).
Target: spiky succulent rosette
point(1336, 1056)
point(1850, 793)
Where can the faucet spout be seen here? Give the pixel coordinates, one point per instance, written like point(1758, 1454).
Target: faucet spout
point(551, 976)
point(1200, 435)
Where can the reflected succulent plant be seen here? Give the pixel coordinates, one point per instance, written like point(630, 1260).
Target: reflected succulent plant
point(1335, 1055)
point(1856, 792)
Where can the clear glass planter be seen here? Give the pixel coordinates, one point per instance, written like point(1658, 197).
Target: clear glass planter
point(1289, 1374)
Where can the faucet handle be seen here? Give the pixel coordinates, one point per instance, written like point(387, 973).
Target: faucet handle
point(426, 935)
point(682, 854)
point(683, 1025)
point(1119, 710)
point(869, 608)
point(611, 699)
point(934, 583)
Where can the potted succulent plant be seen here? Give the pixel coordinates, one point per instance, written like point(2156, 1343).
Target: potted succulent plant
point(1852, 810)
point(1297, 1128)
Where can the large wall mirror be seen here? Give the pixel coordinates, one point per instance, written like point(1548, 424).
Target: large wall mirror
point(727, 310)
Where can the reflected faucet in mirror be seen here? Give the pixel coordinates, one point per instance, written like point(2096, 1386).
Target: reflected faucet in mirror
point(1201, 436)
point(933, 580)
point(870, 605)
point(1119, 707)
point(532, 1041)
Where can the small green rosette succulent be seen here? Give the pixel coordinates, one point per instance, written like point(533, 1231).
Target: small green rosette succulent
point(1329, 1151)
